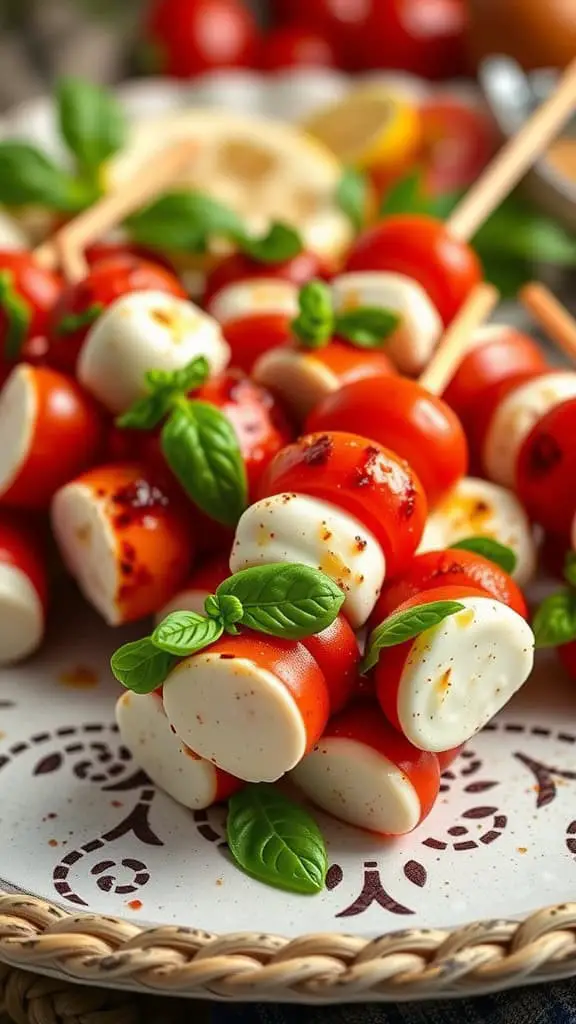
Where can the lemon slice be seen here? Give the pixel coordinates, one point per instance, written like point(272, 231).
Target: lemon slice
point(372, 128)
point(265, 170)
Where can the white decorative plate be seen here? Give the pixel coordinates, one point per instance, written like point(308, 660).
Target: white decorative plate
point(83, 831)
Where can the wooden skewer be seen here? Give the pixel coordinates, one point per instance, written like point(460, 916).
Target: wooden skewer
point(67, 245)
point(456, 338)
point(539, 301)
point(515, 158)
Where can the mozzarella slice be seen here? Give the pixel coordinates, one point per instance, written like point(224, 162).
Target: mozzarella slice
point(21, 615)
point(145, 331)
point(259, 295)
point(477, 508)
point(515, 417)
point(184, 601)
point(414, 341)
point(18, 415)
point(358, 785)
point(87, 543)
point(459, 674)
point(299, 379)
point(146, 732)
point(237, 715)
point(296, 528)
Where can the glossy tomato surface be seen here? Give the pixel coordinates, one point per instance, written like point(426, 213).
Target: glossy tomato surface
point(401, 415)
point(484, 410)
point(239, 267)
point(420, 247)
point(107, 280)
point(184, 38)
point(335, 650)
point(29, 293)
point(361, 477)
point(546, 470)
point(249, 337)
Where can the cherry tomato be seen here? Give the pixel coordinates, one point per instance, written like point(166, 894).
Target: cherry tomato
point(188, 37)
point(546, 470)
point(296, 46)
point(239, 267)
point(110, 250)
point(459, 139)
point(335, 650)
point(421, 248)
point(398, 413)
point(485, 409)
point(449, 568)
point(21, 547)
point(106, 282)
point(500, 352)
point(362, 477)
point(28, 294)
point(424, 37)
point(249, 337)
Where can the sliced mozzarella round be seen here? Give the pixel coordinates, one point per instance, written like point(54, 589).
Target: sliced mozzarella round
point(18, 418)
point(236, 714)
point(299, 379)
point(21, 615)
point(515, 417)
point(258, 295)
point(144, 331)
point(87, 543)
point(459, 674)
point(296, 528)
point(477, 508)
point(420, 327)
point(173, 767)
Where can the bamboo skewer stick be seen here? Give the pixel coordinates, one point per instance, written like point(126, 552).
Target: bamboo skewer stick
point(515, 159)
point(456, 338)
point(552, 316)
point(68, 244)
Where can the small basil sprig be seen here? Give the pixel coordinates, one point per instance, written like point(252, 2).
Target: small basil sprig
point(276, 841)
point(352, 196)
point(28, 177)
point(287, 601)
point(187, 220)
point(491, 549)
point(18, 316)
point(72, 322)
point(406, 625)
point(317, 323)
point(408, 195)
point(199, 443)
point(554, 621)
point(92, 125)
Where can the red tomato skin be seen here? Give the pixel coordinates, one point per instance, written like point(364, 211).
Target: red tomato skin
point(21, 547)
point(249, 337)
point(363, 722)
point(459, 139)
point(567, 656)
point(447, 757)
point(489, 364)
point(421, 248)
point(335, 651)
point(404, 417)
point(188, 37)
point(361, 477)
point(68, 435)
point(106, 281)
point(40, 290)
point(296, 46)
point(127, 250)
point(485, 409)
point(239, 267)
point(388, 671)
point(454, 568)
point(546, 470)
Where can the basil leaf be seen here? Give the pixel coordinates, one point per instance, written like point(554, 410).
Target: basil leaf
point(281, 243)
point(352, 196)
point(184, 633)
point(367, 326)
point(276, 841)
point(291, 601)
point(491, 549)
point(406, 196)
point(164, 386)
point(570, 568)
point(92, 123)
point(140, 666)
point(406, 625)
point(18, 316)
point(314, 325)
point(517, 231)
point(184, 220)
point(147, 412)
point(227, 608)
point(554, 623)
point(73, 322)
point(186, 379)
point(202, 450)
point(27, 177)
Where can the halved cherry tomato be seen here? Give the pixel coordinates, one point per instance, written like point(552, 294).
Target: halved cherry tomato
point(422, 248)
point(456, 568)
point(188, 37)
point(486, 407)
point(106, 281)
point(546, 470)
point(336, 652)
point(249, 337)
point(403, 416)
point(296, 46)
point(239, 267)
point(361, 477)
point(26, 299)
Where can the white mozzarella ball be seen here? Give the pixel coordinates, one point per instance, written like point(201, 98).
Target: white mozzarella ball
point(257, 295)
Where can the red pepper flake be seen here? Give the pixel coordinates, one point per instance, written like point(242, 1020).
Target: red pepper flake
point(227, 657)
point(128, 551)
point(100, 492)
point(545, 454)
point(361, 544)
point(52, 842)
point(135, 499)
point(364, 473)
point(135, 905)
point(318, 452)
point(408, 503)
point(116, 803)
point(139, 577)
